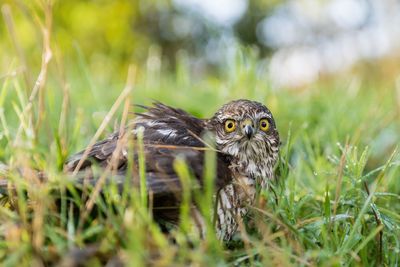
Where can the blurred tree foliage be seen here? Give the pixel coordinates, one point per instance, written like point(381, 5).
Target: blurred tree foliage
point(115, 33)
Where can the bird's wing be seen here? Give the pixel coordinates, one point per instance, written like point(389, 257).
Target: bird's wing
point(168, 133)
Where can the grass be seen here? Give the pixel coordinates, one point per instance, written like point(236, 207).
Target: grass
point(336, 200)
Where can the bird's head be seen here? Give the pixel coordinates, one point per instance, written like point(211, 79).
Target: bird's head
point(246, 129)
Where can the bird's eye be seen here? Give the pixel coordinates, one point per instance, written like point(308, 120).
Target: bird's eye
point(230, 126)
point(264, 125)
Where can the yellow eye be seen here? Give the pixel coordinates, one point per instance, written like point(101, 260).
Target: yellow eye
point(264, 125)
point(230, 126)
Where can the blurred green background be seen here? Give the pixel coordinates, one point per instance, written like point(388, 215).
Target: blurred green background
point(300, 41)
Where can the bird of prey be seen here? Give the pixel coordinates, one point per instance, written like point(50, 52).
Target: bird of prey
point(247, 145)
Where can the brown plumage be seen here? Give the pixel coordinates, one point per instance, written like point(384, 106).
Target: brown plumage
point(246, 140)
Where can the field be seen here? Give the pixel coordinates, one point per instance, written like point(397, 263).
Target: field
point(335, 201)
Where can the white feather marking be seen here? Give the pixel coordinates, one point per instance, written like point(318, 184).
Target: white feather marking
point(151, 123)
point(138, 130)
point(224, 198)
point(167, 132)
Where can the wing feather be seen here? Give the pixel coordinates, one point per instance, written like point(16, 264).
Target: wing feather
point(168, 133)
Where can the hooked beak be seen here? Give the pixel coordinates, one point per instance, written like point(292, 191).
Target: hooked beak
point(248, 129)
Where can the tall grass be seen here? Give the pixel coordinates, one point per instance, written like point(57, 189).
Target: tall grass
point(336, 199)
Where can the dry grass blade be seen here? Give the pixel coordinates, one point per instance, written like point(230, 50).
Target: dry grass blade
point(46, 57)
point(181, 147)
point(201, 140)
point(120, 143)
point(124, 94)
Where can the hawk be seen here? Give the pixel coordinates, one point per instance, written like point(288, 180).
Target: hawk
point(247, 144)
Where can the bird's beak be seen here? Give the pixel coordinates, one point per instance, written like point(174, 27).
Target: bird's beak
point(248, 128)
